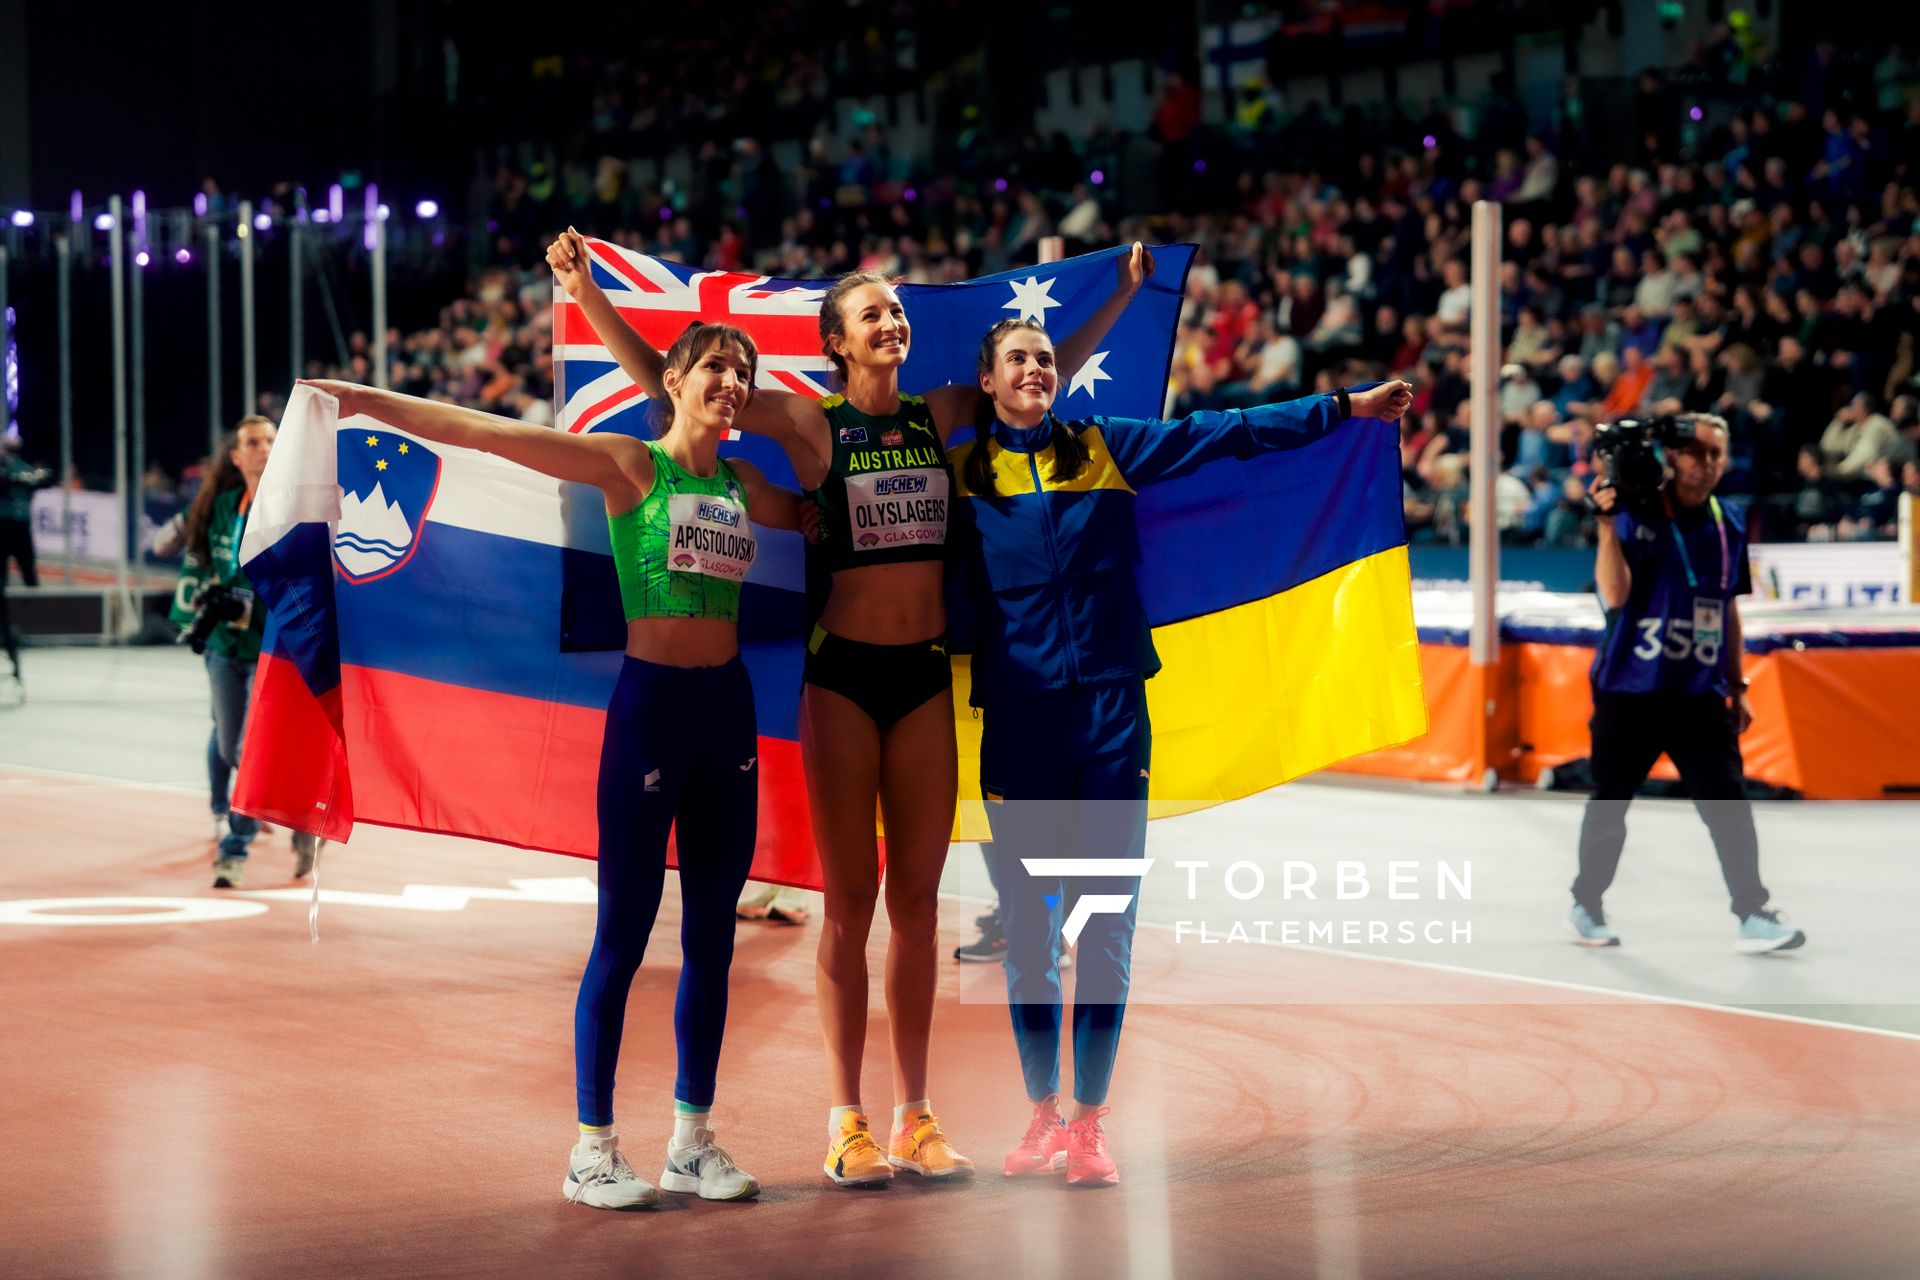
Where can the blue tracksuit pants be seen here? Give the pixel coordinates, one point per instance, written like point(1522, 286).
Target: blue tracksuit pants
point(1065, 776)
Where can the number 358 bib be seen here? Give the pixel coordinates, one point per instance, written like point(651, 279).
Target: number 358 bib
point(709, 535)
point(896, 508)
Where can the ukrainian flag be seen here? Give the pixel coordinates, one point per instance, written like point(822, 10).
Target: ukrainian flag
point(1282, 610)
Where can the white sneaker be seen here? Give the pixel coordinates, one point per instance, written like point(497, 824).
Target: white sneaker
point(789, 906)
point(756, 901)
point(706, 1169)
point(229, 873)
point(598, 1175)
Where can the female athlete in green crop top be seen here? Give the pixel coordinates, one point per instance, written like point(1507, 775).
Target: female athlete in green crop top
point(682, 543)
point(876, 715)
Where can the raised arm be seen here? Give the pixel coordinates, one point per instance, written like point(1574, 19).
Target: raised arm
point(1077, 347)
point(795, 422)
point(571, 262)
point(619, 466)
point(957, 404)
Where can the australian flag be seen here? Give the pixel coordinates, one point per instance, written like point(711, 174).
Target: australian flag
point(1126, 377)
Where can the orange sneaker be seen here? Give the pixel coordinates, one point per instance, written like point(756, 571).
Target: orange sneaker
point(855, 1159)
point(1088, 1164)
point(919, 1146)
point(1044, 1149)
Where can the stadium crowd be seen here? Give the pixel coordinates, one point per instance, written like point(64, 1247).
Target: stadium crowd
point(1758, 257)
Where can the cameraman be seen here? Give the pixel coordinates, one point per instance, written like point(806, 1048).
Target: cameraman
point(215, 603)
point(18, 483)
point(1668, 571)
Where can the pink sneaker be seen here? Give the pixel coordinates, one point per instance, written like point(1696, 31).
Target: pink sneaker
point(1044, 1149)
point(1088, 1164)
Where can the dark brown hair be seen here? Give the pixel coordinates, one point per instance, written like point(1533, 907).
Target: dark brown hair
point(833, 323)
point(225, 478)
point(1069, 450)
point(693, 344)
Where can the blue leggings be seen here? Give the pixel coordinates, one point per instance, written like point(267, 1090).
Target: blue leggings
point(680, 752)
point(1065, 775)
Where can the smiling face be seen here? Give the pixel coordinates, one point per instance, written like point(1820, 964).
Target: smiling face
point(709, 378)
point(1016, 370)
point(873, 330)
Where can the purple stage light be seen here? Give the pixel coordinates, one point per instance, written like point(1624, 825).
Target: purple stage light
point(666, 213)
point(1199, 166)
point(382, 212)
point(999, 184)
point(336, 202)
point(182, 256)
point(1429, 142)
point(910, 195)
point(141, 258)
point(103, 222)
point(1696, 114)
point(262, 222)
point(22, 217)
point(76, 207)
point(199, 204)
point(320, 215)
point(426, 209)
point(1097, 177)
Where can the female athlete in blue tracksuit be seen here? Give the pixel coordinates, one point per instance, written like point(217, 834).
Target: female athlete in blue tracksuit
point(1062, 653)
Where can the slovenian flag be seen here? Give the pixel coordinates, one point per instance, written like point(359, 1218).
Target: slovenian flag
point(444, 627)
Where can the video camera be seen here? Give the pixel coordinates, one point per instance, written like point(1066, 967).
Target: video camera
point(1635, 450)
point(213, 604)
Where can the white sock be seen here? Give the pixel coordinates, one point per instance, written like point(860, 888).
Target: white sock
point(684, 1124)
point(905, 1109)
point(833, 1118)
point(595, 1135)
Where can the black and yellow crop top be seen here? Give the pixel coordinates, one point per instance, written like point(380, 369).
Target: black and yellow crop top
point(885, 497)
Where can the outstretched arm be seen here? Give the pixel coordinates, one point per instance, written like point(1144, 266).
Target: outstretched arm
point(1148, 449)
point(619, 466)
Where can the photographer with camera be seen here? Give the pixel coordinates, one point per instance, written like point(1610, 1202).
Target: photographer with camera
point(18, 483)
point(1667, 672)
point(220, 620)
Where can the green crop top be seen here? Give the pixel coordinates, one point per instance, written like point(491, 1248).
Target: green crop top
point(683, 552)
point(884, 500)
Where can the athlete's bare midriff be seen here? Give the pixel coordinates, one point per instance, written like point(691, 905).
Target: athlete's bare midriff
point(887, 603)
point(683, 642)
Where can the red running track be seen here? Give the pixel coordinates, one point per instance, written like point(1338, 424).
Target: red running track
point(224, 1099)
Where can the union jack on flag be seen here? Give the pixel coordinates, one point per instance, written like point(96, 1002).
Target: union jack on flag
point(660, 298)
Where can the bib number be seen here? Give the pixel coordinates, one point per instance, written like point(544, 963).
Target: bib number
point(708, 534)
point(888, 509)
point(1679, 638)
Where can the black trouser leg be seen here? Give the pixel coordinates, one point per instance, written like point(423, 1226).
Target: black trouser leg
point(1706, 751)
point(1627, 739)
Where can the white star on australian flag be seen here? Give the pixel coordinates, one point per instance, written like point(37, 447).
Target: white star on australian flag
point(1090, 373)
point(1031, 299)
